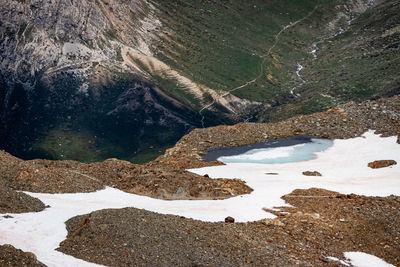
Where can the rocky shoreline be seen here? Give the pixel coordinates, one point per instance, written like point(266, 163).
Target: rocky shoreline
point(345, 121)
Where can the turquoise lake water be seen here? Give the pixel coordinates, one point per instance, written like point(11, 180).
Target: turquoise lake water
point(284, 154)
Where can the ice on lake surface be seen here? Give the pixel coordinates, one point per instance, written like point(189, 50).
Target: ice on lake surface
point(277, 155)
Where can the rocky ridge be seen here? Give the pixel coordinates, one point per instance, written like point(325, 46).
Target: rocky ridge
point(162, 182)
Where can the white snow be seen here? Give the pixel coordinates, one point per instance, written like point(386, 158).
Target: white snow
point(302, 81)
point(343, 166)
point(361, 259)
point(345, 263)
point(260, 154)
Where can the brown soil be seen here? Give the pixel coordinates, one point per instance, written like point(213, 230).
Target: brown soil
point(163, 182)
point(321, 223)
point(12, 257)
point(44, 176)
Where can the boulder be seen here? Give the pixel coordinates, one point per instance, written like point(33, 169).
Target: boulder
point(381, 163)
point(229, 219)
point(312, 173)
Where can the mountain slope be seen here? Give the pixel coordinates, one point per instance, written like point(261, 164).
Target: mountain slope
point(90, 80)
point(358, 62)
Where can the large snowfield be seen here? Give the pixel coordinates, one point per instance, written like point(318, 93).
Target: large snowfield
point(343, 167)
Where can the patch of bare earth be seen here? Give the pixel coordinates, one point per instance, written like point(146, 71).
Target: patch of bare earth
point(321, 223)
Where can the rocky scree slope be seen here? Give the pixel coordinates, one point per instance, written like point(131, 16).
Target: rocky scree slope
point(319, 224)
point(10, 257)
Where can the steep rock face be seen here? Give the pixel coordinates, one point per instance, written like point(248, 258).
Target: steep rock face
point(61, 62)
point(47, 35)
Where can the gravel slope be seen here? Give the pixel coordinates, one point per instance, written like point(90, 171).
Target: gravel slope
point(321, 223)
point(12, 257)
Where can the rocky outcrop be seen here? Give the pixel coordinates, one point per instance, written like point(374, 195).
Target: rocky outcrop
point(229, 219)
point(312, 173)
point(377, 164)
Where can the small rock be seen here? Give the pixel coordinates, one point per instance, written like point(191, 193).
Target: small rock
point(381, 164)
point(315, 215)
point(274, 222)
point(229, 219)
point(312, 173)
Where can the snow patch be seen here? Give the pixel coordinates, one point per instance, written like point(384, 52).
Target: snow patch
point(345, 263)
point(343, 167)
point(361, 259)
point(301, 79)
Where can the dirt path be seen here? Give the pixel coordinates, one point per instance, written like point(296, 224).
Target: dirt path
point(261, 64)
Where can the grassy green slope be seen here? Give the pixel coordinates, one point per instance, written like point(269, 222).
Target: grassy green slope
point(362, 63)
point(224, 44)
